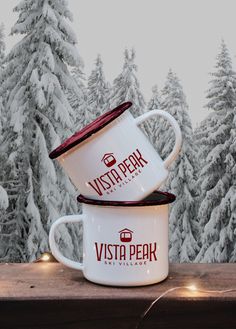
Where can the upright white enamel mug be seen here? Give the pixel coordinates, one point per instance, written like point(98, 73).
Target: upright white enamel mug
point(124, 243)
point(112, 159)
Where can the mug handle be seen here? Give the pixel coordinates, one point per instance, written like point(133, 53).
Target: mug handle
point(52, 242)
point(178, 136)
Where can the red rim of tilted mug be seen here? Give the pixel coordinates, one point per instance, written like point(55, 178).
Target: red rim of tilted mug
point(90, 129)
point(157, 198)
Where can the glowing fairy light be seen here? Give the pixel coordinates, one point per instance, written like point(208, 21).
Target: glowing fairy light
point(192, 287)
point(45, 257)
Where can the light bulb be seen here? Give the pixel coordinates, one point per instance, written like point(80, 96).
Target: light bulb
point(192, 287)
point(45, 257)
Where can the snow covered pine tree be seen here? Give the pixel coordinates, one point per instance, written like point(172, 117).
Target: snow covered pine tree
point(217, 177)
point(79, 102)
point(98, 90)
point(2, 56)
point(155, 101)
point(39, 116)
point(155, 104)
point(126, 86)
point(4, 200)
point(4, 203)
point(2, 45)
point(181, 180)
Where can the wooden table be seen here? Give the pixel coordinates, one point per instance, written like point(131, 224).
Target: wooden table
point(51, 296)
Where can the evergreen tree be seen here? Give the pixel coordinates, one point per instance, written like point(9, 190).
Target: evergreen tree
point(4, 203)
point(182, 176)
point(1, 118)
point(79, 77)
point(98, 90)
point(126, 86)
point(216, 139)
point(2, 56)
point(39, 116)
point(79, 102)
point(222, 94)
point(154, 124)
point(2, 45)
point(155, 101)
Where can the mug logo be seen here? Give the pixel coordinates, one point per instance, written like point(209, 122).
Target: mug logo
point(120, 174)
point(109, 159)
point(125, 235)
point(126, 254)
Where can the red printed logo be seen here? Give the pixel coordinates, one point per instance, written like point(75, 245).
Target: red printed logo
point(109, 159)
point(125, 235)
point(127, 254)
point(119, 175)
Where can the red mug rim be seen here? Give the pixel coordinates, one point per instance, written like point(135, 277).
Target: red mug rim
point(90, 129)
point(157, 198)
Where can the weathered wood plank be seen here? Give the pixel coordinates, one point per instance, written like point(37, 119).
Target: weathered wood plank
point(49, 295)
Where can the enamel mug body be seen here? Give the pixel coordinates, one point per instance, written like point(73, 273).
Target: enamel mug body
point(124, 244)
point(112, 158)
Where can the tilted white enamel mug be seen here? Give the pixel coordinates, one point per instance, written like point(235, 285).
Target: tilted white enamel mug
point(112, 159)
point(124, 243)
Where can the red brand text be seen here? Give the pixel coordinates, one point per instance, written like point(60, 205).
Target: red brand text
point(147, 251)
point(109, 179)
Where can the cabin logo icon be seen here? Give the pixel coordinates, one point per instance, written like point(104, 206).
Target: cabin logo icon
point(125, 235)
point(109, 159)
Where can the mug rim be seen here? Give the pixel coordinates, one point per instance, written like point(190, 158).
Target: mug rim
point(90, 129)
point(152, 200)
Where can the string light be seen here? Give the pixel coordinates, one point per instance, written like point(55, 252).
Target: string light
point(192, 288)
point(46, 257)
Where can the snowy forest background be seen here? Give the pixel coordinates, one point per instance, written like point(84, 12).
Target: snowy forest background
point(45, 97)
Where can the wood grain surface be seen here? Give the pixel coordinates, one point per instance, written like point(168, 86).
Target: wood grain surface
point(51, 296)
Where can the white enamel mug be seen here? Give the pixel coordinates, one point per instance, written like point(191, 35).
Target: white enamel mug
point(112, 159)
point(124, 243)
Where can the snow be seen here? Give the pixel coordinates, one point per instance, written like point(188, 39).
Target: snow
point(49, 15)
point(35, 79)
point(222, 94)
point(215, 138)
point(78, 99)
point(44, 97)
point(18, 116)
point(47, 57)
point(126, 86)
point(183, 230)
point(98, 91)
point(4, 202)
